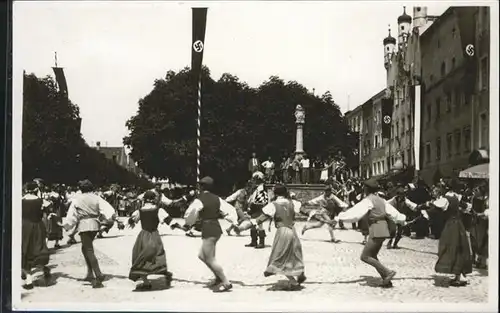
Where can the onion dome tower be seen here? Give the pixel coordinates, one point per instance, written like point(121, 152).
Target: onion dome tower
point(389, 47)
point(404, 24)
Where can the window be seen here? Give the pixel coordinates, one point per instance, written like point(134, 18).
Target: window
point(453, 61)
point(485, 73)
point(449, 144)
point(467, 141)
point(114, 158)
point(403, 127)
point(448, 102)
point(397, 129)
point(409, 121)
point(376, 141)
point(438, 148)
point(443, 69)
point(392, 131)
point(428, 152)
point(408, 152)
point(403, 157)
point(483, 131)
point(438, 108)
point(458, 141)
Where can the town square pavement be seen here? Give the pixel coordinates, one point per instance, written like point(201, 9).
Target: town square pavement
point(334, 272)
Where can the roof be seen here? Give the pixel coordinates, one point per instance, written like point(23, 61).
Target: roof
point(435, 24)
point(375, 97)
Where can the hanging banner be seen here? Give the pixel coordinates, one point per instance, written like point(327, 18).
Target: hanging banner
point(198, 43)
point(61, 80)
point(417, 127)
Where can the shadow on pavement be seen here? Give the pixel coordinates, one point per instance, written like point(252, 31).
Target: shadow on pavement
point(419, 251)
point(107, 277)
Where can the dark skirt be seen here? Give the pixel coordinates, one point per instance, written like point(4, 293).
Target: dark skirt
point(286, 255)
point(210, 229)
point(54, 231)
point(454, 254)
point(34, 247)
point(148, 256)
point(480, 234)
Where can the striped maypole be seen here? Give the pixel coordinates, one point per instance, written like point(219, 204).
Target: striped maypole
point(198, 137)
point(197, 47)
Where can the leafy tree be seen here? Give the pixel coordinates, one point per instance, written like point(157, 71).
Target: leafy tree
point(236, 121)
point(52, 146)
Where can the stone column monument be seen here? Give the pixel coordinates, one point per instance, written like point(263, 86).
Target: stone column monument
point(300, 117)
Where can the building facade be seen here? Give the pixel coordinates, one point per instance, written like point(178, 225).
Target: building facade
point(452, 103)
point(366, 120)
point(355, 121)
point(481, 98)
point(119, 156)
point(402, 60)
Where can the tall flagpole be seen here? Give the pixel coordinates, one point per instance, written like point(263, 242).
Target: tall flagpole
point(198, 151)
point(198, 43)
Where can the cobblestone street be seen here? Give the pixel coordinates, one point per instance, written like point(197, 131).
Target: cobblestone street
point(334, 272)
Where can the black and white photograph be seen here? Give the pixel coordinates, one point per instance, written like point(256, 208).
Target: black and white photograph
point(255, 156)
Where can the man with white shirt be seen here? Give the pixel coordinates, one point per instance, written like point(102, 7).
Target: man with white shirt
point(330, 205)
point(306, 168)
point(253, 164)
point(378, 211)
point(84, 213)
point(268, 169)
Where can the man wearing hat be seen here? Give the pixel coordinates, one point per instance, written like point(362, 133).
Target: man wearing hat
point(258, 199)
point(329, 205)
point(378, 211)
point(84, 213)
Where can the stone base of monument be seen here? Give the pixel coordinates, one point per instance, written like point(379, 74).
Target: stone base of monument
point(303, 192)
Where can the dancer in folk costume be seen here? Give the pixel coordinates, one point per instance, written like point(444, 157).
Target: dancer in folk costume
point(286, 254)
point(258, 199)
point(329, 206)
point(454, 252)
point(85, 212)
point(35, 253)
point(209, 208)
point(56, 207)
point(405, 206)
point(378, 211)
point(191, 230)
point(148, 254)
point(239, 198)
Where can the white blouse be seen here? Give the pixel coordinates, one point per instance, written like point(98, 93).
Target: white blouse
point(359, 210)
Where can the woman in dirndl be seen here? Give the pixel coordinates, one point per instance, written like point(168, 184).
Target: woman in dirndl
point(286, 254)
point(35, 253)
point(454, 252)
point(56, 209)
point(148, 254)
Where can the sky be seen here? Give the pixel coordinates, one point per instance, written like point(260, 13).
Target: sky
point(113, 51)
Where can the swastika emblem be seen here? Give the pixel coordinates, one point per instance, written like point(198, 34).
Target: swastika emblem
point(387, 119)
point(469, 50)
point(198, 46)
